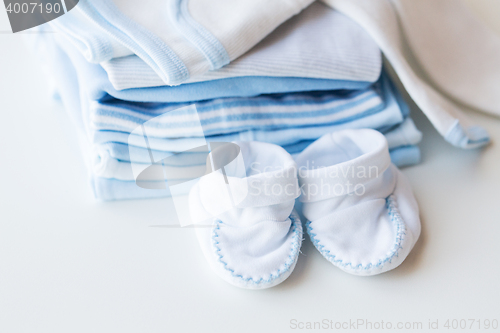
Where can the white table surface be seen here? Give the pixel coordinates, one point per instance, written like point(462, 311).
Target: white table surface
point(71, 264)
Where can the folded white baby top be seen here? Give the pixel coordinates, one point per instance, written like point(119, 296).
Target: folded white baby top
point(362, 215)
point(318, 43)
point(180, 39)
point(253, 239)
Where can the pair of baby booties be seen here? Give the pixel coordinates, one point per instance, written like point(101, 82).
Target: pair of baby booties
point(362, 215)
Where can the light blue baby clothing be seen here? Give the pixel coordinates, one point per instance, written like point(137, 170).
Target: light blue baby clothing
point(102, 130)
point(374, 107)
point(112, 189)
point(107, 166)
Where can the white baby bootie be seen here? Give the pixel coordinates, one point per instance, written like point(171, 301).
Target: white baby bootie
point(362, 215)
point(252, 235)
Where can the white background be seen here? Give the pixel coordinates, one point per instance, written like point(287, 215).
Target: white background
point(71, 264)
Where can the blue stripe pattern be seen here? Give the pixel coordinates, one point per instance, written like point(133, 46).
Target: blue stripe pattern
point(223, 116)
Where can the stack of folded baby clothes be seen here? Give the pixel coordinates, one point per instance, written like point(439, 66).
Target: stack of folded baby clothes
point(281, 72)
